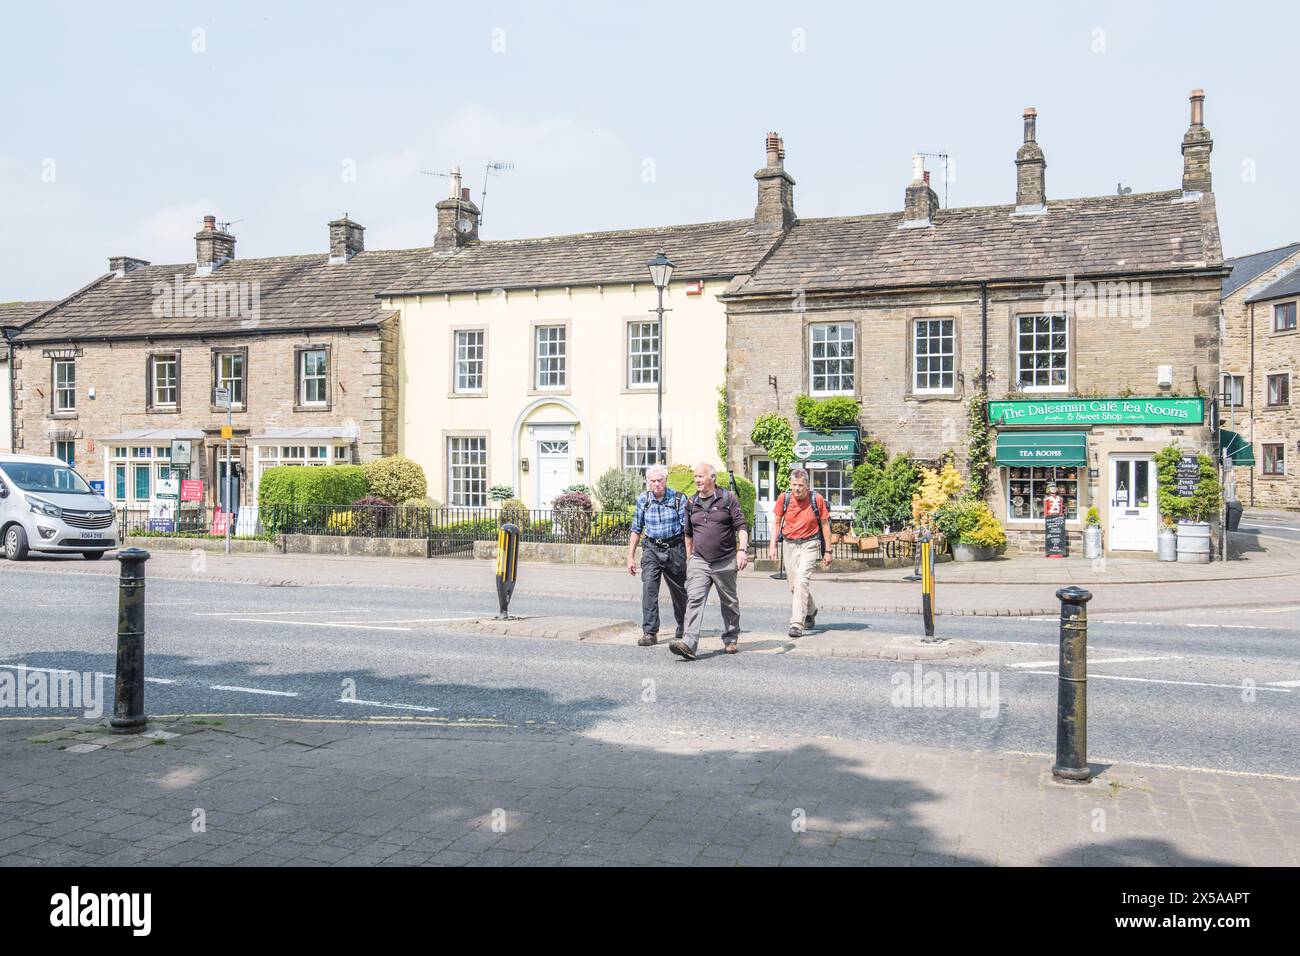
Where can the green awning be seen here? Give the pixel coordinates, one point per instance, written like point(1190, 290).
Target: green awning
point(1042, 448)
point(835, 445)
point(1237, 448)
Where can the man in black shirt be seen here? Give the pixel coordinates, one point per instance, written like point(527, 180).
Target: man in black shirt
point(717, 543)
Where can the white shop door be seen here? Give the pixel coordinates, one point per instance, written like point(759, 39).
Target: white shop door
point(1132, 503)
point(764, 478)
point(554, 469)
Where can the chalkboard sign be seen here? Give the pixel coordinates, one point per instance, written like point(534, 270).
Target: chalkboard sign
point(1187, 476)
point(1058, 543)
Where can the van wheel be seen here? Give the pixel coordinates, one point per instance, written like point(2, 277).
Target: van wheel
point(16, 543)
point(92, 555)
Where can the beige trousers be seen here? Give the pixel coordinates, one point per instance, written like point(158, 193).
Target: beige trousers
point(800, 559)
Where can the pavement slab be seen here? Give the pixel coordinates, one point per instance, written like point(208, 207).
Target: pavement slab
point(433, 795)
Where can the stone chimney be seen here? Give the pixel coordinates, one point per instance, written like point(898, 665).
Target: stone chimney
point(457, 218)
point(121, 265)
point(775, 209)
point(347, 238)
point(213, 246)
point(1197, 146)
point(921, 201)
point(1031, 168)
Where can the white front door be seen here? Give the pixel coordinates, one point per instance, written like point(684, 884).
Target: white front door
point(554, 469)
point(764, 477)
point(1132, 503)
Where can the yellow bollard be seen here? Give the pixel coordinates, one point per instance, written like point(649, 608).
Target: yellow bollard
point(507, 567)
point(927, 584)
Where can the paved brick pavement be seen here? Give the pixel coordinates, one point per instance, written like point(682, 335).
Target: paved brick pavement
point(271, 791)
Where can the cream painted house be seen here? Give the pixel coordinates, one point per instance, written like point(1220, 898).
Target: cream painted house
point(534, 363)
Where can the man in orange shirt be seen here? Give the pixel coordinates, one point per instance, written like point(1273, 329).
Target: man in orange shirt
point(805, 526)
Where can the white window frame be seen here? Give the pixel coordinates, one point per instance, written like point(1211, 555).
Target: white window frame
point(228, 380)
point(467, 471)
point(637, 452)
point(930, 354)
point(156, 388)
point(1233, 390)
point(1049, 351)
point(550, 358)
point(469, 361)
point(838, 376)
point(304, 379)
point(643, 363)
point(840, 495)
point(70, 444)
point(65, 387)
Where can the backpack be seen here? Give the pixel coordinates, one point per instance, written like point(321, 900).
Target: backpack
point(817, 513)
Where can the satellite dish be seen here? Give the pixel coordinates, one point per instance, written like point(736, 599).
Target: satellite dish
point(463, 226)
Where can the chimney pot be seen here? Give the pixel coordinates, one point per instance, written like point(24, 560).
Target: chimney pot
point(775, 209)
point(457, 206)
point(213, 247)
point(1197, 146)
point(347, 238)
point(920, 201)
point(1031, 168)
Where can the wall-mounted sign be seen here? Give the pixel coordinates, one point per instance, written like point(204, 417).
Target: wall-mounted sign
point(1097, 411)
point(1187, 476)
point(97, 487)
point(191, 490)
point(837, 445)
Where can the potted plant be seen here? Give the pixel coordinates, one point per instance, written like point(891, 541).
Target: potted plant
point(1191, 512)
point(1092, 534)
point(971, 529)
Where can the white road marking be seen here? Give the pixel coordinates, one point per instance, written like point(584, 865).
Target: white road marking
point(364, 627)
point(1105, 660)
point(55, 670)
point(158, 680)
point(339, 610)
point(254, 690)
point(1284, 683)
point(421, 620)
point(378, 703)
point(1153, 680)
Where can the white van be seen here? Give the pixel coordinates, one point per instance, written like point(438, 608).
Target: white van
point(46, 506)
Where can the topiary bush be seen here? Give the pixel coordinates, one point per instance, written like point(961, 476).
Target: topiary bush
point(618, 488)
point(395, 478)
point(514, 512)
point(501, 492)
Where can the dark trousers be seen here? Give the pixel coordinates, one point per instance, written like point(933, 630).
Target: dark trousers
point(670, 564)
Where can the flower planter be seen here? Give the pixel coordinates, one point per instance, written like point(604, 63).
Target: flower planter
point(869, 543)
point(1194, 543)
point(972, 552)
point(1092, 541)
point(836, 538)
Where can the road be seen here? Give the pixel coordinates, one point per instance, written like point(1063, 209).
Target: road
point(1271, 524)
point(1214, 688)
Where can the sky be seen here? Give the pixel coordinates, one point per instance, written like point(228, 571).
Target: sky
point(122, 125)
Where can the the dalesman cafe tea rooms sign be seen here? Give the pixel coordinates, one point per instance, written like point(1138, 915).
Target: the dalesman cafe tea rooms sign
point(1098, 411)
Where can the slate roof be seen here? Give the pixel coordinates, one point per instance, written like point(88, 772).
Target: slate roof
point(293, 293)
point(1145, 232)
point(1246, 268)
point(1287, 285)
point(701, 251)
point(16, 314)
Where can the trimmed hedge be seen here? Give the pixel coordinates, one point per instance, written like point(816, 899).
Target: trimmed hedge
point(682, 478)
point(300, 485)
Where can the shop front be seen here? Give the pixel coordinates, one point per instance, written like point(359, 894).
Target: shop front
point(1098, 453)
point(143, 471)
point(829, 459)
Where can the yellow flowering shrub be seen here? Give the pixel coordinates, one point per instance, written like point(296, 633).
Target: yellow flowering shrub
point(937, 489)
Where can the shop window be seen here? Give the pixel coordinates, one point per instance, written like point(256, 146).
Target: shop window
point(1026, 488)
point(834, 482)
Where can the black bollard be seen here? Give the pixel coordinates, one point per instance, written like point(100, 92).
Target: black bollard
point(1072, 688)
point(128, 690)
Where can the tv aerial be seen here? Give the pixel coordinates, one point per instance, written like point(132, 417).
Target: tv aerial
point(492, 169)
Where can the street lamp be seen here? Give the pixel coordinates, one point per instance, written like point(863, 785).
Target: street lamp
point(661, 273)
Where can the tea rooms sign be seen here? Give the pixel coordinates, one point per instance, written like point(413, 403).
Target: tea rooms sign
point(1098, 411)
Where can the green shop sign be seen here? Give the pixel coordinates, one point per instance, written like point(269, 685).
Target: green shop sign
point(838, 445)
point(1098, 411)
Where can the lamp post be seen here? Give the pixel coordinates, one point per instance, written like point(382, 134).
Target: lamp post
point(661, 273)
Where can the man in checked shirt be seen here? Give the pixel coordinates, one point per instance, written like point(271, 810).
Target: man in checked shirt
point(660, 520)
